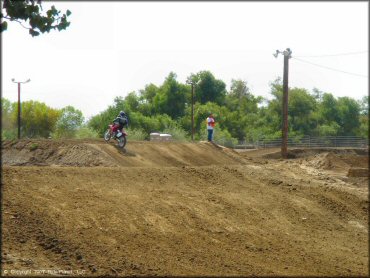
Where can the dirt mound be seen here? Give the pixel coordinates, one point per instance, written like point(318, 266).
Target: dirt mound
point(335, 161)
point(45, 152)
point(88, 153)
point(241, 220)
point(358, 172)
point(179, 209)
point(319, 158)
point(327, 161)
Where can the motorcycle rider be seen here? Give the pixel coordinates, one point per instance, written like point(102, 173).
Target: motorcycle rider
point(119, 122)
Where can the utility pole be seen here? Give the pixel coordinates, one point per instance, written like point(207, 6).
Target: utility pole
point(189, 81)
point(284, 146)
point(192, 111)
point(19, 104)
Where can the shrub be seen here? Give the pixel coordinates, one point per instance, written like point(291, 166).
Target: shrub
point(86, 132)
point(9, 134)
point(177, 133)
point(137, 134)
point(34, 146)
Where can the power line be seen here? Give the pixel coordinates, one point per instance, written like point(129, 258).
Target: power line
point(339, 54)
point(325, 67)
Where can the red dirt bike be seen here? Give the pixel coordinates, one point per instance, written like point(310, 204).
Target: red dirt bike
point(118, 135)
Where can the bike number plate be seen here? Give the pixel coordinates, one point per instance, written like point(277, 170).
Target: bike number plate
point(119, 134)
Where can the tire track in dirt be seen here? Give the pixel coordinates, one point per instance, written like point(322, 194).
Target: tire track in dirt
point(192, 210)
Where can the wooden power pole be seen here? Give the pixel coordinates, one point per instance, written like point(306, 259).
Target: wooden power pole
point(192, 83)
point(19, 104)
point(284, 145)
point(192, 111)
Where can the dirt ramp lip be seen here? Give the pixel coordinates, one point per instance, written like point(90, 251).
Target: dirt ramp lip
point(91, 153)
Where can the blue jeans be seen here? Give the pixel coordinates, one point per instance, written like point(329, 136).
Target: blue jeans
point(210, 134)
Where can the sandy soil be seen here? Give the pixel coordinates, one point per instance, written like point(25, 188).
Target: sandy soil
point(86, 207)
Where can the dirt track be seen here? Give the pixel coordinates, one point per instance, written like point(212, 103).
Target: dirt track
point(182, 209)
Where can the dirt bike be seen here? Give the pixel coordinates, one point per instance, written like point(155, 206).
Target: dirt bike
point(118, 135)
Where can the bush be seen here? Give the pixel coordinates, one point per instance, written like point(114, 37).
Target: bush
point(177, 133)
point(86, 132)
point(34, 146)
point(137, 134)
point(330, 129)
point(223, 137)
point(9, 134)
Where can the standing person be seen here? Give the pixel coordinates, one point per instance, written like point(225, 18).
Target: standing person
point(210, 126)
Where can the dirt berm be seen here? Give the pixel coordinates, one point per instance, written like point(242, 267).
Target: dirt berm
point(85, 207)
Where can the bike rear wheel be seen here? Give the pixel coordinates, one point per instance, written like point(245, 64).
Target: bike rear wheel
point(122, 141)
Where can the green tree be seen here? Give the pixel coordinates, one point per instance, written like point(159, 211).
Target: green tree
point(208, 88)
point(8, 120)
point(363, 130)
point(317, 94)
point(201, 112)
point(31, 13)
point(301, 106)
point(146, 97)
point(328, 109)
point(170, 98)
point(69, 122)
point(243, 109)
point(364, 105)
point(328, 129)
point(269, 123)
point(349, 116)
point(37, 119)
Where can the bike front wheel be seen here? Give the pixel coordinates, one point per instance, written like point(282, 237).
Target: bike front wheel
point(107, 135)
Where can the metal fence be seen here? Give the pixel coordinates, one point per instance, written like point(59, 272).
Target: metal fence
point(307, 142)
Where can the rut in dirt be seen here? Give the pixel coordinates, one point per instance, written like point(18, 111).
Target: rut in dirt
point(181, 209)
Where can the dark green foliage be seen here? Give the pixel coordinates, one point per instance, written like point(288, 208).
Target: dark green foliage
point(239, 114)
point(165, 108)
point(349, 115)
point(170, 97)
point(30, 11)
point(208, 88)
point(69, 121)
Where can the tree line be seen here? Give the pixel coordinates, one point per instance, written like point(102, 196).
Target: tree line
point(41, 121)
point(239, 114)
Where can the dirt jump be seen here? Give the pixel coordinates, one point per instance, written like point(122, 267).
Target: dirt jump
point(88, 208)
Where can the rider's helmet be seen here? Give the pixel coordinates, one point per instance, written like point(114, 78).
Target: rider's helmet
point(122, 114)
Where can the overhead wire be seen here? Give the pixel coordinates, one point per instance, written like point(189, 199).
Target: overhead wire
point(325, 67)
point(333, 55)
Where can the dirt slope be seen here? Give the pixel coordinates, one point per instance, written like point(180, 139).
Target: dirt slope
point(98, 153)
point(179, 209)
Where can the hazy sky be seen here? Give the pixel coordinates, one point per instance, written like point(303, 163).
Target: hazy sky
point(113, 48)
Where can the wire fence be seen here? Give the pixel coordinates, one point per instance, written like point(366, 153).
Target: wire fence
point(306, 142)
point(300, 142)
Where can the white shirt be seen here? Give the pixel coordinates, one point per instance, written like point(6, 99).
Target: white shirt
point(209, 123)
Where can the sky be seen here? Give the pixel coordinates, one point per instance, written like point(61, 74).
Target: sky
point(114, 48)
